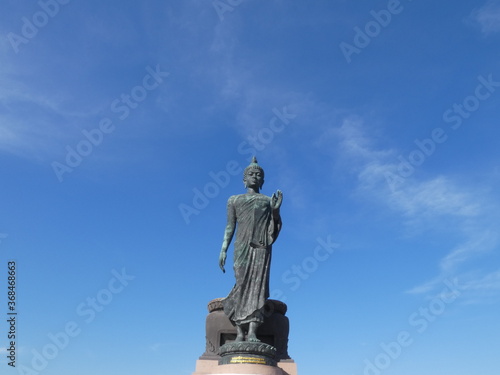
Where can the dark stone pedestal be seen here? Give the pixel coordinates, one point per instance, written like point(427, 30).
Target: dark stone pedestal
point(268, 357)
point(274, 331)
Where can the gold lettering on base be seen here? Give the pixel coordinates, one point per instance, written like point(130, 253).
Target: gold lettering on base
point(254, 360)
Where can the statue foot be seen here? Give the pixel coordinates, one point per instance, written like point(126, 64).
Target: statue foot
point(252, 329)
point(239, 339)
point(240, 334)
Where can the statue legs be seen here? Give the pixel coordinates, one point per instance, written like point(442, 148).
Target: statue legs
point(252, 332)
point(240, 334)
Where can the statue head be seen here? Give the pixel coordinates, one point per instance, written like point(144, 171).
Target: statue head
point(254, 166)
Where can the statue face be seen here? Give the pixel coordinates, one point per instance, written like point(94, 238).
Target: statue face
point(254, 178)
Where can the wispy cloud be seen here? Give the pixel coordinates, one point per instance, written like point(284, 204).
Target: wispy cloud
point(439, 200)
point(487, 17)
point(416, 198)
point(479, 243)
point(483, 288)
point(354, 143)
point(435, 197)
point(31, 126)
point(36, 117)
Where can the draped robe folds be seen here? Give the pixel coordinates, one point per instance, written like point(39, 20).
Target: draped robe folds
point(257, 229)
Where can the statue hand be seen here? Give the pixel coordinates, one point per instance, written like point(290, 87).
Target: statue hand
point(222, 260)
point(276, 200)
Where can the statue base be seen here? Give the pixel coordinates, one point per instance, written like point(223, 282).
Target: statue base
point(212, 367)
point(247, 352)
point(223, 354)
point(220, 331)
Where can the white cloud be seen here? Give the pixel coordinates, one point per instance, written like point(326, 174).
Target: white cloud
point(34, 119)
point(429, 198)
point(355, 143)
point(489, 282)
point(478, 243)
point(438, 200)
point(488, 17)
point(34, 133)
point(426, 287)
point(435, 197)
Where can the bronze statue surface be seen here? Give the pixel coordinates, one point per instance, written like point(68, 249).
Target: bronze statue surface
point(256, 219)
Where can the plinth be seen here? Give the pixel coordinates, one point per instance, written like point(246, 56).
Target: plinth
point(256, 353)
point(225, 356)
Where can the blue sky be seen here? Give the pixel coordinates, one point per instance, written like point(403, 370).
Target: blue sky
point(125, 126)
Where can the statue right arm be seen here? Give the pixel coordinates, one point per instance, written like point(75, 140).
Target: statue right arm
point(228, 233)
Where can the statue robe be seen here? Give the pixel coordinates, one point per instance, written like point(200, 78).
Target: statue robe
point(256, 230)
